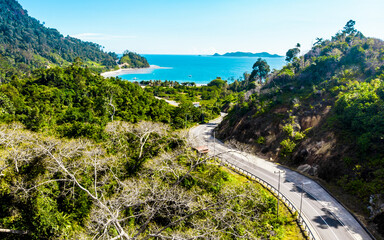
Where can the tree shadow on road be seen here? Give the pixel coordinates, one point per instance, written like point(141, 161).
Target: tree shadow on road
point(327, 220)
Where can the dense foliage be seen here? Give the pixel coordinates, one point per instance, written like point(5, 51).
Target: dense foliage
point(208, 100)
point(75, 102)
point(133, 60)
point(26, 44)
point(141, 182)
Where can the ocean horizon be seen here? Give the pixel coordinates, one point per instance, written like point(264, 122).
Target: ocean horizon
point(200, 69)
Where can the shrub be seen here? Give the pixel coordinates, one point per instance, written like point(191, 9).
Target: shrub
point(260, 140)
point(287, 146)
point(299, 136)
point(288, 129)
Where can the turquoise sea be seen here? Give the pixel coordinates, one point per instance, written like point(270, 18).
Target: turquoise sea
point(198, 68)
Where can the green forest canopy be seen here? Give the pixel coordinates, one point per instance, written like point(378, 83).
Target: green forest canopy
point(26, 44)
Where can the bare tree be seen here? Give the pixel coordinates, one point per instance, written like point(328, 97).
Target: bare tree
point(113, 107)
point(140, 207)
point(120, 132)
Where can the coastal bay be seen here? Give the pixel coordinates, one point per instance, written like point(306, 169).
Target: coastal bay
point(200, 69)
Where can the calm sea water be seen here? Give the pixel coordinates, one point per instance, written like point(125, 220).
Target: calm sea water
point(199, 69)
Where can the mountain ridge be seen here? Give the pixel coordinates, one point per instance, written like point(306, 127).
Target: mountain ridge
point(246, 54)
point(26, 44)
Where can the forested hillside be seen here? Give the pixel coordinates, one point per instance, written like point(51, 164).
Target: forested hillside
point(76, 102)
point(133, 60)
point(323, 113)
point(26, 44)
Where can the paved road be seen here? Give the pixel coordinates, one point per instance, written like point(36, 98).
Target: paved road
point(326, 218)
point(170, 102)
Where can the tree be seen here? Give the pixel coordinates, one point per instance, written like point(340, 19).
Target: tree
point(260, 70)
point(292, 53)
point(349, 28)
point(319, 41)
point(218, 82)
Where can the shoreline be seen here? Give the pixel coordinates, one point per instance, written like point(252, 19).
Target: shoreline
point(197, 84)
point(123, 71)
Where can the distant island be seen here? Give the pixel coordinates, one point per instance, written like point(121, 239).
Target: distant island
point(247, 54)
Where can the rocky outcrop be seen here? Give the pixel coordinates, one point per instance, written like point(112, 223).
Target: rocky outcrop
point(376, 208)
point(308, 169)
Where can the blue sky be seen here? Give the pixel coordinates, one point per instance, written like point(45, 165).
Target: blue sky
point(206, 26)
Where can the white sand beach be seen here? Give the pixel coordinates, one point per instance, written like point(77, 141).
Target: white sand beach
point(123, 71)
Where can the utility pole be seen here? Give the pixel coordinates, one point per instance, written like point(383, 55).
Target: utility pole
point(278, 191)
point(301, 198)
point(214, 144)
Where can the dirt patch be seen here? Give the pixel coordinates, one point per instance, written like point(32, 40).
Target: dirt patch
point(310, 121)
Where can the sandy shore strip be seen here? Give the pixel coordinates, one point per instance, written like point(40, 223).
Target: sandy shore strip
point(123, 71)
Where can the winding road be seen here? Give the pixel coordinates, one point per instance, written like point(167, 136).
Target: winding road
point(326, 217)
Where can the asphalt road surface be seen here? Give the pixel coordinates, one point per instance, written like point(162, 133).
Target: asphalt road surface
point(325, 216)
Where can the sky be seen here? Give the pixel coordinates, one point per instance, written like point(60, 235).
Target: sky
point(206, 26)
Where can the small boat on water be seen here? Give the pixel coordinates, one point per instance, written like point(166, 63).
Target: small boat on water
point(135, 78)
point(190, 76)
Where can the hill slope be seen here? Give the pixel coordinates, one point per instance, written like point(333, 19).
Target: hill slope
point(133, 60)
point(26, 44)
point(323, 114)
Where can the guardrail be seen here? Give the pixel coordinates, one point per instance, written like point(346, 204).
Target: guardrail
point(301, 221)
